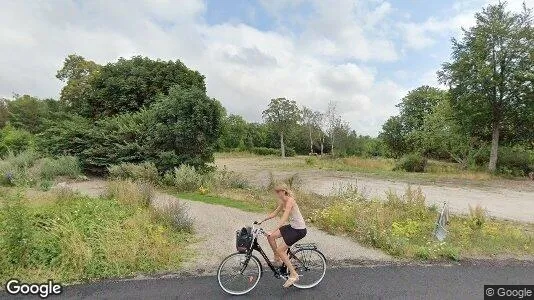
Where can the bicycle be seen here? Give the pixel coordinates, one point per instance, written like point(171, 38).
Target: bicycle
point(240, 272)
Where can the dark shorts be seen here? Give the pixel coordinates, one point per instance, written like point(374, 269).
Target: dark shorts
point(292, 235)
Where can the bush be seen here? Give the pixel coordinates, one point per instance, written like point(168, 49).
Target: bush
point(411, 163)
point(290, 152)
point(48, 168)
point(176, 215)
point(187, 178)
point(229, 179)
point(179, 128)
point(265, 151)
point(14, 141)
point(27, 169)
point(477, 217)
point(130, 192)
point(513, 161)
point(144, 171)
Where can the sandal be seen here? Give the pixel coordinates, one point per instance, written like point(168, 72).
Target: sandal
point(290, 281)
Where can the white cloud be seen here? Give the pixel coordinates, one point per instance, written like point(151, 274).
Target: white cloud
point(244, 66)
point(420, 35)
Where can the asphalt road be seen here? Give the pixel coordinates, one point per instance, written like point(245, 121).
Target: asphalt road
point(379, 282)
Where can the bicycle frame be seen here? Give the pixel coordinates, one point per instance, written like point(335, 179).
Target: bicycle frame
point(256, 247)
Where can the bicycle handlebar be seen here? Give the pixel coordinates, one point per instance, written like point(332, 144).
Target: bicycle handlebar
point(258, 230)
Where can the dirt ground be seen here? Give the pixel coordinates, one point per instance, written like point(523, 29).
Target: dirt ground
point(513, 200)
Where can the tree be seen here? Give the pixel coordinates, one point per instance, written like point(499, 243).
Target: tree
point(311, 119)
point(28, 113)
point(4, 113)
point(78, 74)
point(332, 122)
point(127, 85)
point(491, 73)
point(441, 133)
point(283, 115)
point(418, 104)
point(233, 132)
point(179, 128)
point(393, 136)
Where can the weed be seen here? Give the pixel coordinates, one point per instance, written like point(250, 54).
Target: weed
point(186, 178)
point(146, 171)
point(76, 238)
point(137, 193)
point(176, 215)
point(477, 217)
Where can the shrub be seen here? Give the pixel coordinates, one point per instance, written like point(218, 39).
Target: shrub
point(27, 169)
point(513, 161)
point(265, 151)
point(180, 127)
point(143, 171)
point(229, 179)
point(176, 215)
point(311, 160)
point(48, 168)
point(130, 192)
point(477, 217)
point(290, 152)
point(411, 163)
point(14, 140)
point(187, 178)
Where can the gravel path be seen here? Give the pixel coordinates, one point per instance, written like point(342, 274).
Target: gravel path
point(512, 201)
point(215, 225)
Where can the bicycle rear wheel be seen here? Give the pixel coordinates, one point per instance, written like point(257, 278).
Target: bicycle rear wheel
point(238, 275)
point(311, 266)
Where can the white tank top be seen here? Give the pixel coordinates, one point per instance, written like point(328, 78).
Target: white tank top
point(295, 218)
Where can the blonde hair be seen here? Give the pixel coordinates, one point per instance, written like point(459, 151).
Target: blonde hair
point(283, 187)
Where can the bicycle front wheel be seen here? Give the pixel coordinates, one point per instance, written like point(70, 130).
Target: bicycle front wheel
point(311, 266)
point(239, 274)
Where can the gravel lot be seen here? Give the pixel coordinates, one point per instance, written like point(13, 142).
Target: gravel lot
point(512, 200)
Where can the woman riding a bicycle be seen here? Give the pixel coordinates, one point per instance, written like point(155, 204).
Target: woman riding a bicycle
point(290, 233)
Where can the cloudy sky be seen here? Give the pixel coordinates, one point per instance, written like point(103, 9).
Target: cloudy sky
point(363, 54)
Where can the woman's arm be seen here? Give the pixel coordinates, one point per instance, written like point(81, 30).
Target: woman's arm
point(274, 213)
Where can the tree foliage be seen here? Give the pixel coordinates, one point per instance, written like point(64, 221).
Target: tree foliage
point(283, 116)
point(127, 85)
point(181, 127)
point(491, 75)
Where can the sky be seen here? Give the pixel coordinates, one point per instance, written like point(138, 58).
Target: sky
point(364, 55)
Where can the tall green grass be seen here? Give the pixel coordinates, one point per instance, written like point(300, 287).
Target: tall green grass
point(77, 238)
point(29, 169)
point(403, 226)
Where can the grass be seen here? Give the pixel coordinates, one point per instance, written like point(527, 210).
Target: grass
point(69, 238)
point(30, 170)
point(221, 200)
point(403, 226)
point(400, 225)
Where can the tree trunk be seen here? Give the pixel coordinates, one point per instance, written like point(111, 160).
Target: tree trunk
point(322, 145)
point(332, 146)
point(494, 148)
point(282, 147)
point(311, 142)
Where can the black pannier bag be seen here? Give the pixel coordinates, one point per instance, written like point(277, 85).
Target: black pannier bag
point(243, 239)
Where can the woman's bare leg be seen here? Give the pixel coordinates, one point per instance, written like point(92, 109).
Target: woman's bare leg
point(282, 253)
point(272, 242)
